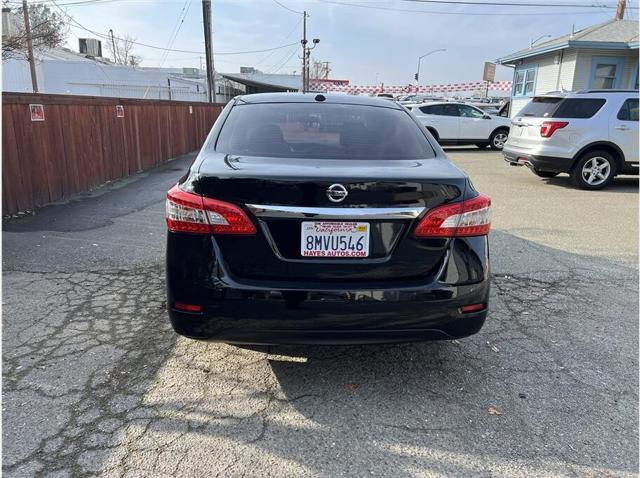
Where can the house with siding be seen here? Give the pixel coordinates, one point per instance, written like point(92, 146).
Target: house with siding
point(601, 56)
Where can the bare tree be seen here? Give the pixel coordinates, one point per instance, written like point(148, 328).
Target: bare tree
point(320, 70)
point(123, 52)
point(49, 29)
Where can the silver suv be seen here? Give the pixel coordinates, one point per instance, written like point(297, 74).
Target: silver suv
point(590, 134)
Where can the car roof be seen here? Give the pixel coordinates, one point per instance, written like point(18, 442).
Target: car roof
point(428, 103)
point(599, 93)
point(258, 98)
point(583, 92)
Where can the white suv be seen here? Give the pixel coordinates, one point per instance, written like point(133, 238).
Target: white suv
point(590, 134)
point(459, 123)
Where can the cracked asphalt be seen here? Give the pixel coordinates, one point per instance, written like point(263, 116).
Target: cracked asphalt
point(96, 383)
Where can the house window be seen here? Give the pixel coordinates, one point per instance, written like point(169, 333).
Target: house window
point(524, 82)
point(605, 76)
point(606, 72)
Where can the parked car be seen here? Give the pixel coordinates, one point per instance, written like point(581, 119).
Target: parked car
point(592, 135)
point(455, 123)
point(279, 234)
point(413, 100)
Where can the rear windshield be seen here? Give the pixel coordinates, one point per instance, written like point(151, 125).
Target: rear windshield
point(322, 131)
point(540, 107)
point(578, 107)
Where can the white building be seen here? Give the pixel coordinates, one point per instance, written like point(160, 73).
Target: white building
point(601, 56)
point(62, 71)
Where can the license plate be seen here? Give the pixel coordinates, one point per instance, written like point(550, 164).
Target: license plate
point(334, 239)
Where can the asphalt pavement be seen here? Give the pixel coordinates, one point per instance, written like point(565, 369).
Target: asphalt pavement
point(96, 383)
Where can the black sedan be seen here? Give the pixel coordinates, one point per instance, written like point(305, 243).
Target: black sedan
point(311, 218)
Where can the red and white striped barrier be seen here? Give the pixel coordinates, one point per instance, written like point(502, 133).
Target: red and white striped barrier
point(407, 89)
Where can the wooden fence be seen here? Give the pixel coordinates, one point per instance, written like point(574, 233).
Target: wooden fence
point(85, 141)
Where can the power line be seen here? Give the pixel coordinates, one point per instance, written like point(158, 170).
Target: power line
point(282, 60)
point(287, 8)
point(156, 47)
point(282, 64)
point(256, 51)
point(268, 55)
point(510, 4)
point(436, 12)
point(181, 16)
point(447, 2)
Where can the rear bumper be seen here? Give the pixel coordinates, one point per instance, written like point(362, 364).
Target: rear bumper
point(450, 331)
point(356, 316)
point(541, 163)
point(331, 313)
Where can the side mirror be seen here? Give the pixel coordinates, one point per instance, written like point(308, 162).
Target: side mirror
point(486, 116)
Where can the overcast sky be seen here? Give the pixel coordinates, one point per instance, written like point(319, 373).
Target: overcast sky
point(361, 43)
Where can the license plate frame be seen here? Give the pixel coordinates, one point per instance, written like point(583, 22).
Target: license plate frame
point(335, 239)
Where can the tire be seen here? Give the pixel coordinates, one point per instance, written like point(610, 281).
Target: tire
point(498, 138)
point(544, 174)
point(482, 145)
point(594, 170)
point(434, 133)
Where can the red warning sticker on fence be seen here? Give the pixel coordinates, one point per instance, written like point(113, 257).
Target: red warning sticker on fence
point(37, 112)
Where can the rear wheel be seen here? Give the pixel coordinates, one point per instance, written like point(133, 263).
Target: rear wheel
point(498, 138)
point(544, 174)
point(434, 133)
point(594, 170)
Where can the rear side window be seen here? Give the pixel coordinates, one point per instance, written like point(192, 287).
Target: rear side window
point(629, 110)
point(450, 110)
point(540, 107)
point(432, 110)
point(578, 107)
point(322, 131)
point(469, 112)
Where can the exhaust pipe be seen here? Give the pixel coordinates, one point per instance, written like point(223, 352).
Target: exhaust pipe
point(524, 162)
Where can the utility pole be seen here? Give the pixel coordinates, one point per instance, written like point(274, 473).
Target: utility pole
point(304, 51)
point(620, 9)
point(32, 60)
point(208, 49)
point(113, 45)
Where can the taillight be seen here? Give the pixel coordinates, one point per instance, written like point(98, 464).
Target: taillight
point(549, 127)
point(187, 307)
point(465, 218)
point(187, 212)
point(472, 308)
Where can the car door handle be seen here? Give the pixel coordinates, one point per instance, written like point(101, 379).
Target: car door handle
point(621, 127)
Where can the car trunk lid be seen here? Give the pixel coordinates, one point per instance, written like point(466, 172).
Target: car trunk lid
point(283, 194)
